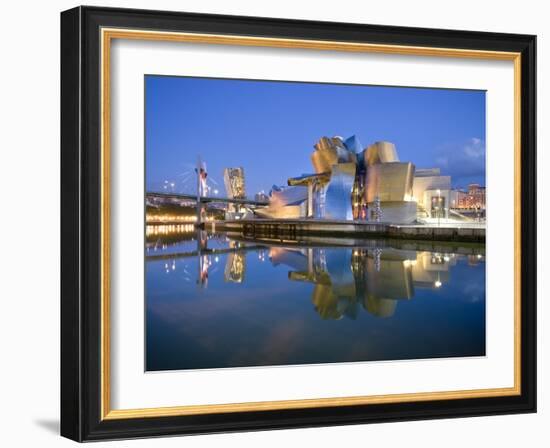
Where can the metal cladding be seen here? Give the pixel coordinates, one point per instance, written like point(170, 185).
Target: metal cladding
point(380, 152)
point(358, 177)
point(353, 144)
point(339, 190)
point(308, 179)
point(390, 185)
point(390, 181)
point(286, 203)
point(401, 212)
point(329, 152)
point(350, 183)
point(288, 196)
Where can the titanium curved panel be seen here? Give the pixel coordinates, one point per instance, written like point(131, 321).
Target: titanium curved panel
point(288, 196)
point(390, 181)
point(322, 161)
point(287, 203)
point(381, 152)
point(330, 151)
point(338, 193)
point(353, 144)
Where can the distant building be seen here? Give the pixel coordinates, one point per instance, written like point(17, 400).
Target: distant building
point(233, 179)
point(261, 197)
point(472, 199)
point(475, 198)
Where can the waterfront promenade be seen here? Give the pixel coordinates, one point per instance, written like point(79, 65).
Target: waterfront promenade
point(292, 228)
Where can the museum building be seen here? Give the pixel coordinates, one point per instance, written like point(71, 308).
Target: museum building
point(351, 182)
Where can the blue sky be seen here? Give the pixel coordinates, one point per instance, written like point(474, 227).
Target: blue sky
point(270, 127)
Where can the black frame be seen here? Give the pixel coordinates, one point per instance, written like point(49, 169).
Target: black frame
point(80, 224)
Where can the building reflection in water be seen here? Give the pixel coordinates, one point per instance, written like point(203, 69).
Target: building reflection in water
point(345, 279)
point(235, 267)
point(348, 279)
point(204, 265)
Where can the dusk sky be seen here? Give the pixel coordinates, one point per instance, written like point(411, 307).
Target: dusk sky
point(269, 128)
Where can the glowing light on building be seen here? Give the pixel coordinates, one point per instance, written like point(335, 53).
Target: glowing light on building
point(168, 229)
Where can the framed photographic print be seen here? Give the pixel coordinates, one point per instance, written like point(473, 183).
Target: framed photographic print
point(273, 223)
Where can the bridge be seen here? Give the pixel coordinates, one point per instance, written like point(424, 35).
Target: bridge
point(200, 198)
point(203, 199)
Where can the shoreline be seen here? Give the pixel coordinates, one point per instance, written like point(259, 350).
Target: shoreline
point(297, 228)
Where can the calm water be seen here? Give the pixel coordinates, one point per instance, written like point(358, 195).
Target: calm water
point(214, 302)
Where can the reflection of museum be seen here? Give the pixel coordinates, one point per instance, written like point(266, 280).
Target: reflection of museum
point(344, 279)
point(352, 182)
point(374, 279)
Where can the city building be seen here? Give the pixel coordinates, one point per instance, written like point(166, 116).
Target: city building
point(474, 198)
point(261, 196)
point(457, 198)
point(233, 179)
point(470, 204)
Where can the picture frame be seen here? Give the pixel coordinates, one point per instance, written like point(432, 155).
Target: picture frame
point(86, 37)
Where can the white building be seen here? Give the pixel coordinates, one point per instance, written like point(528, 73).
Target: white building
point(432, 192)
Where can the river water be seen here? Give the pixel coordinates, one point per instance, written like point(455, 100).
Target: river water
point(215, 301)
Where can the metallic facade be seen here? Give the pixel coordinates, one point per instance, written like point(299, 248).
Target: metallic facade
point(355, 183)
point(338, 194)
point(329, 152)
point(380, 152)
point(391, 182)
point(286, 203)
